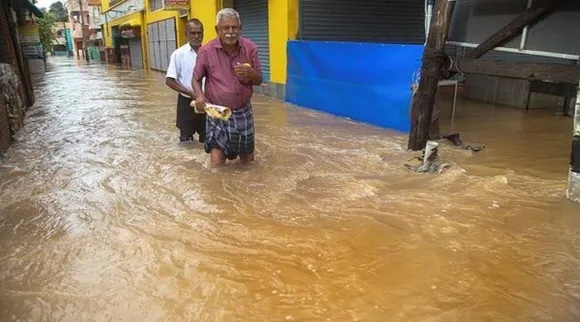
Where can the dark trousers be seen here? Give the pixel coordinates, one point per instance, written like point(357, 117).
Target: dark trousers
point(189, 122)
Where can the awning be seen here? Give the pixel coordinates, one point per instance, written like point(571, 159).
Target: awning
point(32, 8)
point(131, 33)
point(133, 23)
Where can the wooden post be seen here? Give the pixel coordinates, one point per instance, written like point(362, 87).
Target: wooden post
point(573, 192)
point(433, 65)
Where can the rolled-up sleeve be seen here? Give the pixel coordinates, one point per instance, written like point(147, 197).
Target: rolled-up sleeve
point(172, 71)
point(201, 64)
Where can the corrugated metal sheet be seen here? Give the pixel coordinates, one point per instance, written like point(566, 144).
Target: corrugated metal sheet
point(380, 21)
point(254, 15)
point(135, 52)
point(475, 20)
point(162, 42)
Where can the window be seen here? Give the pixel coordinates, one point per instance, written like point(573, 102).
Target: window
point(156, 5)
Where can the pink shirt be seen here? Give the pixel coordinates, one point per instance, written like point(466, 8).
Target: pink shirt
point(222, 86)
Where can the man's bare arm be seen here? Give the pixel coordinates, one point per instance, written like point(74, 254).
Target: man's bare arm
point(174, 85)
point(199, 97)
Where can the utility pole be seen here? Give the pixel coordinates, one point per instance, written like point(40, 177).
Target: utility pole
point(432, 69)
point(85, 50)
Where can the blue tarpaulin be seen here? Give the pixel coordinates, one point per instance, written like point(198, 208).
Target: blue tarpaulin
point(366, 82)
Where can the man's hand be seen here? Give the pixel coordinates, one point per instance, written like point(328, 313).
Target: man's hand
point(244, 72)
point(200, 102)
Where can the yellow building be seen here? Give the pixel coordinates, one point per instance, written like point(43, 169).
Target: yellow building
point(144, 33)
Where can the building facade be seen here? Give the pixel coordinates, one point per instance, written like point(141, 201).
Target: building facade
point(95, 45)
point(60, 41)
point(15, 82)
point(79, 22)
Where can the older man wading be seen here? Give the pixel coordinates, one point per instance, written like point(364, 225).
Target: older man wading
point(231, 67)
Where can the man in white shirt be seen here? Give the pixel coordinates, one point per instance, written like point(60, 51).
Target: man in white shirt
point(178, 78)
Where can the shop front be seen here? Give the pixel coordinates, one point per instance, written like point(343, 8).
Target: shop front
point(131, 54)
point(123, 37)
point(373, 46)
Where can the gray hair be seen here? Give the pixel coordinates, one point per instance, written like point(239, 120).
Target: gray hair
point(227, 13)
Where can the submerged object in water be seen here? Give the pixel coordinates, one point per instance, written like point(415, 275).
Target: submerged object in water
point(215, 111)
point(430, 162)
point(457, 141)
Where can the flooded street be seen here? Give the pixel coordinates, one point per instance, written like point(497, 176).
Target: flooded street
point(105, 217)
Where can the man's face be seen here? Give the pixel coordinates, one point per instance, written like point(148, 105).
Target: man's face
point(194, 34)
point(228, 30)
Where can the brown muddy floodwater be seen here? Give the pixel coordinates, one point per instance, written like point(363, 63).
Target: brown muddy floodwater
point(104, 217)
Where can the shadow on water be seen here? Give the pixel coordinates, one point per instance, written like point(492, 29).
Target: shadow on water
point(105, 217)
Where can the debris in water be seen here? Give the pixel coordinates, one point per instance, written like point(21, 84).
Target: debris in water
point(457, 141)
point(430, 161)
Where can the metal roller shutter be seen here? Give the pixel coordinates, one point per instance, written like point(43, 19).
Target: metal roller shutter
point(254, 15)
point(162, 42)
point(379, 21)
point(135, 51)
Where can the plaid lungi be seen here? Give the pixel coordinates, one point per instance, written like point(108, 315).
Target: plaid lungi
point(234, 136)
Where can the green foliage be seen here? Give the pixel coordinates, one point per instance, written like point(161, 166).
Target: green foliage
point(46, 30)
point(59, 12)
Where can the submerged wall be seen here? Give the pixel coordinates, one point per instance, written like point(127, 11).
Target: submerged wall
point(12, 105)
point(366, 82)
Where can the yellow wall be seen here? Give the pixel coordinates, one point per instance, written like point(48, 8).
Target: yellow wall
point(283, 26)
point(206, 10)
point(292, 19)
point(144, 38)
point(104, 5)
point(107, 35)
point(106, 32)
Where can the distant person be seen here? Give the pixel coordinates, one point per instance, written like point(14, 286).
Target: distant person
point(230, 66)
point(178, 77)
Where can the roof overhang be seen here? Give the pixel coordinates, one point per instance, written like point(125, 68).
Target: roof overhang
point(31, 7)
